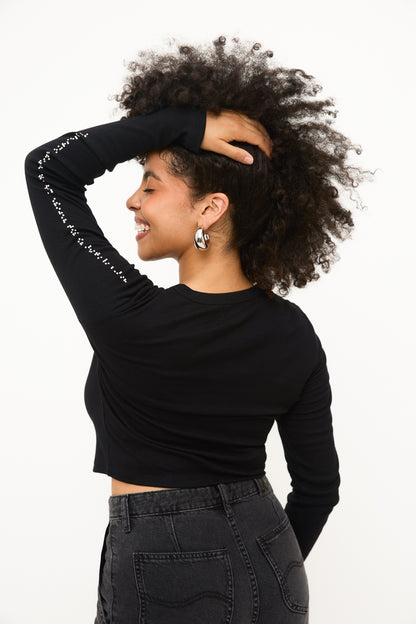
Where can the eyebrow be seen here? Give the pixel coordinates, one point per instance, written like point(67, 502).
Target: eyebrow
point(149, 173)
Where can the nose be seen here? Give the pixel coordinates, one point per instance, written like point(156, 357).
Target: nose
point(133, 202)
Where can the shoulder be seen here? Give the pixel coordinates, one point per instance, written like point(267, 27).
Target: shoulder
point(293, 314)
point(300, 328)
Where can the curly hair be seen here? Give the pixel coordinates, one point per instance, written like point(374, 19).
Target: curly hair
point(282, 211)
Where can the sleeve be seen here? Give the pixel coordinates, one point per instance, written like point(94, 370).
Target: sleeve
point(98, 281)
point(307, 436)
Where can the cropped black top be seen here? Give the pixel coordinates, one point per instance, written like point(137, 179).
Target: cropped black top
point(184, 386)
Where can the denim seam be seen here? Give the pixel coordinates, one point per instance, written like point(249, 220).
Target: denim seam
point(230, 587)
point(100, 611)
point(201, 508)
point(243, 551)
point(264, 543)
point(112, 580)
point(172, 531)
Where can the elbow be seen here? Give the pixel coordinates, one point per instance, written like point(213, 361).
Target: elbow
point(34, 156)
point(329, 495)
point(31, 163)
point(335, 500)
point(32, 166)
point(331, 489)
point(335, 492)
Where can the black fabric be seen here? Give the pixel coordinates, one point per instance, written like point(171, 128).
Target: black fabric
point(184, 386)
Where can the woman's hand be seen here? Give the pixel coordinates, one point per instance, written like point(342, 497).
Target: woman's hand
point(231, 125)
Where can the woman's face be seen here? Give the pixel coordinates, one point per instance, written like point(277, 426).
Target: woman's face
point(162, 201)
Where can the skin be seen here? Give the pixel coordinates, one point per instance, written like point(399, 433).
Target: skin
point(173, 219)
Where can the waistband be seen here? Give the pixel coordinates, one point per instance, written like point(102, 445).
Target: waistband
point(183, 499)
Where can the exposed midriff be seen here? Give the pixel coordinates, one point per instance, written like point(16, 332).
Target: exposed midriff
point(119, 487)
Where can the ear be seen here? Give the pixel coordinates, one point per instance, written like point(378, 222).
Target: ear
point(214, 206)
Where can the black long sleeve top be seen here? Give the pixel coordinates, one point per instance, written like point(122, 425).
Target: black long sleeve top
point(184, 386)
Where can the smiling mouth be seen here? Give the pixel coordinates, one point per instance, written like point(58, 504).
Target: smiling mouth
point(142, 233)
point(141, 227)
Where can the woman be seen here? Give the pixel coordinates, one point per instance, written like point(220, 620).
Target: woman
point(186, 382)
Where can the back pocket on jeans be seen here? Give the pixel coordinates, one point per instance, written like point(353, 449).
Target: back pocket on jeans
point(184, 587)
point(282, 551)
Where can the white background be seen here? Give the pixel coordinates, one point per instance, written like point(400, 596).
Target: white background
point(60, 62)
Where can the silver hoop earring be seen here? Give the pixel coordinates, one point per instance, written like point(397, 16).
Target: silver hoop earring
point(200, 238)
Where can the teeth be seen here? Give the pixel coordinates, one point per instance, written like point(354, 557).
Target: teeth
point(139, 227)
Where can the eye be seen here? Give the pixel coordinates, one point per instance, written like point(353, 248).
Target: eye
point(148, 190)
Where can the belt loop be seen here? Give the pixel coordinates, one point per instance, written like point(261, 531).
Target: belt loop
point(224, 497)
point(261, 486)
point(125, 517)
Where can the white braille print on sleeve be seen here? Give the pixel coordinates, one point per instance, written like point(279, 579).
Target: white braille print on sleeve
point(57, 204)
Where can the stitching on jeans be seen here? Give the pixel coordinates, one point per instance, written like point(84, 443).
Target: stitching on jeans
point(191, 509)
point(172, 531)
point(247, 562)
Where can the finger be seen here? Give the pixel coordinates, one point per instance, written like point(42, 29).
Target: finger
point(257, 124)
point(236, 153)
point(243, 119)
point(259, 133)
point(249, 133)
point(264, 143)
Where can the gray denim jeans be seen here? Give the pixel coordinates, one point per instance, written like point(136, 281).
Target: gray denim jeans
point(218, 554)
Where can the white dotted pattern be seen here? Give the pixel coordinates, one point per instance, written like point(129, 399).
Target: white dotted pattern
point(57, 205)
